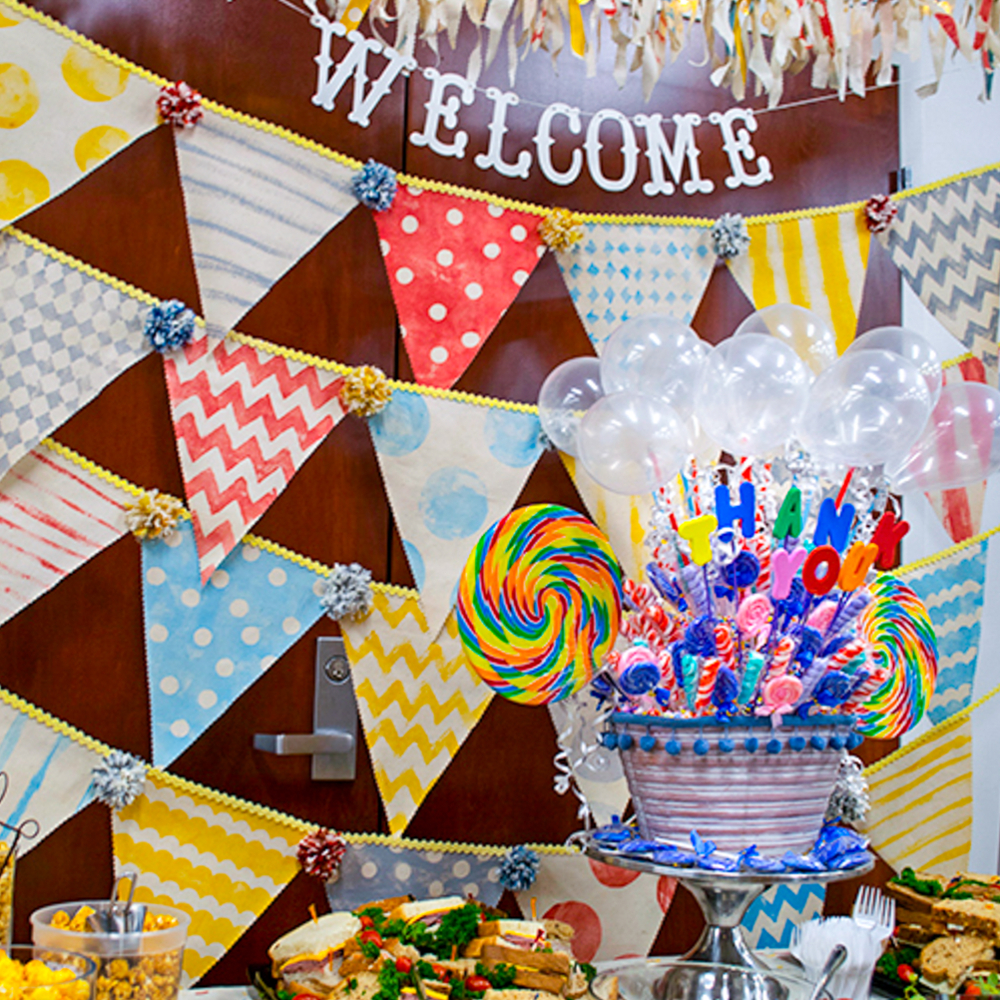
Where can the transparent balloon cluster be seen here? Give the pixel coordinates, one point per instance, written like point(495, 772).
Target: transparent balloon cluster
point(660, 396)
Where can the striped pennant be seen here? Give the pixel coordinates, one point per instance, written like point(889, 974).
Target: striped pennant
point(953, 589)
point(946, 241)
point(245, 421)
point(817, 261)
point(623, 519)
point(256, 204)
point(49, 773)
point(921, 800)
point(54, 516)
point(222, 865)
point(773, 916)
point(961, 509)
point(619, 272)
point(64, 336)
point(418, 699)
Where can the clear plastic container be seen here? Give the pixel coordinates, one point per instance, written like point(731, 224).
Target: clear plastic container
point(142, 966)
point(46, 974)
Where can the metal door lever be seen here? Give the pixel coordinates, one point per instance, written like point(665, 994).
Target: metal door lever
point(291, 744)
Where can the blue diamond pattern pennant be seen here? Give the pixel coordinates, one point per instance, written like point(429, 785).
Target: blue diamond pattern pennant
point(206, 646)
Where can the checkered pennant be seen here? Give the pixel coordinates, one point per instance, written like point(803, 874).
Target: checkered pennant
point(63, 337)
point(619, 272)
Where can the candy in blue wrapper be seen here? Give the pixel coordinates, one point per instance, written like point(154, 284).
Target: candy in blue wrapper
point(667, 854)
point(744, 570)
point(848, 861)
point(718, 864)
point(801, 862)
point(834, 644)
point(699, 638)
point(677, 659)
point(753, 861)
point(835, 841)
point(601, 688)
point(833, 688)
point(703, 848)
point(668, 588)
point(727, 687)
point(639, 846)
point(662, 696)
point(639, 677)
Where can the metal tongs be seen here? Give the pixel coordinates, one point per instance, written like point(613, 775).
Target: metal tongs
point(120, 916)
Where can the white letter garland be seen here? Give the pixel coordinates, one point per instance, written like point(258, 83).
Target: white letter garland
point(245, 420)
point(54, 516)
point(418, 699)
point(450, 469)
point(621, 271)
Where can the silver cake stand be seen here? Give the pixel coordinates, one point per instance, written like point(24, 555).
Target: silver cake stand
point(724, 898)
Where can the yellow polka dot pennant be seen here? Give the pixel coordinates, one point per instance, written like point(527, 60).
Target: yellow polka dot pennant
point(223, 865)
point(63, 111)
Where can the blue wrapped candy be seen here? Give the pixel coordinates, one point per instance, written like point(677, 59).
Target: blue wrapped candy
point(754, 861)
point(801, 862)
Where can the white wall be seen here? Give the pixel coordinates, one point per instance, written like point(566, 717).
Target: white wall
point(942, 135)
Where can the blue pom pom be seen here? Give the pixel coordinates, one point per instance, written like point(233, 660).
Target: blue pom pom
point(726, 745)
point(610, 740)
point(750, 744)
point(797, 743)
point(625, 741)
point(647, 743)
point(518, 869)
point(672, 747)
point(701, 746)
point(774, 745)
point(375, 186)
point(817, 742)
point(854, 741)
point(169, 325)
point(837, 742)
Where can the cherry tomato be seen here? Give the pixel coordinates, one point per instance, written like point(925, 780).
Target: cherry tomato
point(367, 922)
point(440, 972)
point(404, 964)
point(305, 996)
point(906, 973)
point(972, 990)
point(477, 984)
point(371, 935)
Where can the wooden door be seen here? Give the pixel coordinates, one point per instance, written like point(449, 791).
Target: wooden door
point(78, 651)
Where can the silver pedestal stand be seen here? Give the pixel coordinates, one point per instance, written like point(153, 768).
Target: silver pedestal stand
point(724, 898)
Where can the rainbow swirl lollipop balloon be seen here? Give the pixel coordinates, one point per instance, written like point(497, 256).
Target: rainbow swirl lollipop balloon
point(898, 628)
point(539, 603)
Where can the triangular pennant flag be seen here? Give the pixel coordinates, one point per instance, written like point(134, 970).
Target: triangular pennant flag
point(921, 801)
point(625, 520)
point(416, 708)
point(815, 261)
point(220, 863)
point(953, 589)
point(961, 509)
point(50, 773)
point(63, 337)
point(206, 646)
point(66, 110)
point(946, 241)
point(455, 265)
point(616, 913)
point(451, 469)
point(772, 917)
point(245, 421)
point(618, 272)
point(256, 204)
point(54, 516)
point(381, 871)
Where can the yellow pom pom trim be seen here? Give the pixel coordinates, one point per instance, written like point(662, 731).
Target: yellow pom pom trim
point(366, 391)
point(561, 229)
point(153, 515)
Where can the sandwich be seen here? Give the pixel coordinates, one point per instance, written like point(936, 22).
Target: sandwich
point(309, 957)
point(428, 912)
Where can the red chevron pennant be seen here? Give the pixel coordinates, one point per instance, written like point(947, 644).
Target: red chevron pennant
point(245, 421)
point(455, 265)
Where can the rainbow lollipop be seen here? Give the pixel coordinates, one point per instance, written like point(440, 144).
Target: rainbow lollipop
point(898, 628)
point(539, 603)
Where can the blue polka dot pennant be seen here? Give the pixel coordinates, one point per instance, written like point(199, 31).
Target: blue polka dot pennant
point(205, 647)
point(451, 469)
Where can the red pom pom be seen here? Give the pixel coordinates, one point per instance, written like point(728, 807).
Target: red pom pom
point(321, 852)
point(179, 105)
point(880, 213)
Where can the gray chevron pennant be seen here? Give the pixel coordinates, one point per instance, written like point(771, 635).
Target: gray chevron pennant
point(947, 244)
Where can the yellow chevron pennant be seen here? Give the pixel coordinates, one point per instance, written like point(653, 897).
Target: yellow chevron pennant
point(921, 800)
point(416, 708)
point(221, 864)
point(815, 261)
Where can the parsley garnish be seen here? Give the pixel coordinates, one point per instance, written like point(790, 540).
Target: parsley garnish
point(370, 950)
point(588, 971)
point(352, 983)
point(390, 983)
point(501, 976)
point(457, 928)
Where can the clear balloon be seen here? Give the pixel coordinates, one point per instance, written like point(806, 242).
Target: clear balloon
point(867, 409)
point(804, 332)
point(704, 449)
point(750, 392)
point(910, 345)
point(566, 395)
point(960, 444)
point(634, 344)
point(631, 443)
point(671, 372)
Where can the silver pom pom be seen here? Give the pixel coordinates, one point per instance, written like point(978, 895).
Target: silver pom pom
point(348, 591)
point(118, 779)
point(729, 236)
point(849, 798)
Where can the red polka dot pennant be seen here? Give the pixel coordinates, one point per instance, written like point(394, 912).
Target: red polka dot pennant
point(455, 265)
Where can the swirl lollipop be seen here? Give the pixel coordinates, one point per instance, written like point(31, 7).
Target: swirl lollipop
point(898, 628)
point(539, 603)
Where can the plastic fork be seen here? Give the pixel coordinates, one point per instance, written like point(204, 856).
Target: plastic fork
point(874, 912)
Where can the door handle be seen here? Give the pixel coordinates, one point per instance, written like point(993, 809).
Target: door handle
point(334, 740)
